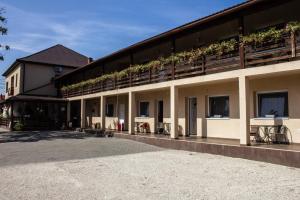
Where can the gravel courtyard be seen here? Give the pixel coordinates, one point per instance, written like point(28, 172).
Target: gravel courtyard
point(111, 168)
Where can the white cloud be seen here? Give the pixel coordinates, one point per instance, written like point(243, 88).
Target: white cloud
point(30, 32)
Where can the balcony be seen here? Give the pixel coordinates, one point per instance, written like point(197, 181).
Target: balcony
point(284, 49)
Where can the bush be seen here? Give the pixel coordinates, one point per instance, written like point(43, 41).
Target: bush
point(19, 126)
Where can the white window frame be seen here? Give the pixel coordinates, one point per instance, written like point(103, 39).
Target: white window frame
point(140, 109)
point(208, 106)
point(270, 92)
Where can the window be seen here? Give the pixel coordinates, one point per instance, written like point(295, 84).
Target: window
point(144, 109)
point(109, 110)
point(219, 106)
point(16, 80)
point(58, 70)
point(6, 87)
point(273, 104)
point(12, 81)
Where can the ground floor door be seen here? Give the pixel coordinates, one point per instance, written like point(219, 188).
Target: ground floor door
point(75, 113)
point(159, 116)
point(121, 116)
point(192, 116)
point(160, 111)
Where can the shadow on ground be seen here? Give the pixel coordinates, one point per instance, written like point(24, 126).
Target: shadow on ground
point(34, 136)
point(52, 146)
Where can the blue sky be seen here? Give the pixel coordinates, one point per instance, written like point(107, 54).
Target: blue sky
point(95, 27)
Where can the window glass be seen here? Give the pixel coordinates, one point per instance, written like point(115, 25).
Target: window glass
point(16, 80)
point(219, 106)
point(273, 104)
point(110, 110)
point(58, 70)
point(144, 109)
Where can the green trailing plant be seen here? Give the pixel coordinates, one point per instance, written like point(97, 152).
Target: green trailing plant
point(196, 54)
point(123, 74)
point(181, 57)
point(219, 49)
point(293, 27)
point(271, 34)
point(19, 126)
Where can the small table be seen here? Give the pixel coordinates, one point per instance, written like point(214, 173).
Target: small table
point(267, 134)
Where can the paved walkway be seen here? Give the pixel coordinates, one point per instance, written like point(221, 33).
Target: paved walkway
point(111, 168)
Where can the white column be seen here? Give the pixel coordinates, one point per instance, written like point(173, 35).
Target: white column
point(131, 113)
point(102, 110)
point(174, 112)
point(82, 113)
point(244, 93)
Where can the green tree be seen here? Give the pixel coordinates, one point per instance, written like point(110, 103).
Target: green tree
point(3, 31)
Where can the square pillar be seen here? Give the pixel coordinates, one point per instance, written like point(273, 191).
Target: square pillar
point(131, 113)
point(12, 116)
point(244, 103)
point(102, 110)
point(174, 112)
point(82, 113)
point(68, 113)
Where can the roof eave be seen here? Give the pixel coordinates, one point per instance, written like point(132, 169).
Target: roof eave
point(11, 68)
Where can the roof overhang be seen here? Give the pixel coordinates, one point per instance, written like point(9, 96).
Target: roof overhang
point(31, 98)
point(11, 68)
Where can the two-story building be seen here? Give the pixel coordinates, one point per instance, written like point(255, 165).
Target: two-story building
point(216, 77)
point(30, 88)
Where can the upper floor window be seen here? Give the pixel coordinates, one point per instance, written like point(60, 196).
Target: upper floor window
point(273, 104)
point(144, 109)
point(16, 80)
point(12, 81)
point(6, 87)
point(219, 106)
point(58, 70)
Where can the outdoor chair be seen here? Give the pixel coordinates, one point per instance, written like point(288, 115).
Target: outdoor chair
point(280, 135)
point(167, 128)
point(144, 128)
point(254, 133)
point(108, 133)
point(160, 128)
point(100, 133)
point(137, 127)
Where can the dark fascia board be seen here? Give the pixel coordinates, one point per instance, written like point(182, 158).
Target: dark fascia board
point(48, 64)
point(174, 31)
point(11, 68)
point(28, 97)
point(20, 61)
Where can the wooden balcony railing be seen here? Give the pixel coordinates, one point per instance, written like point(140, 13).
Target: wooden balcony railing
point(4, 122)
point(288, 47)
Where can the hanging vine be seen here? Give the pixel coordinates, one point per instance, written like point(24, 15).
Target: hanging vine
point(219, 48)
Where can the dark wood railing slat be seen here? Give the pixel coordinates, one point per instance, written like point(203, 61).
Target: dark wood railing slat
point(242, 55)
point(293, 44)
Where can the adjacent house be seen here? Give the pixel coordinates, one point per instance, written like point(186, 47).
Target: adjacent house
point(216, 77)
point(31, 92)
